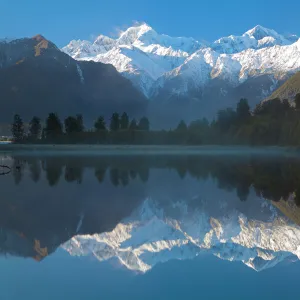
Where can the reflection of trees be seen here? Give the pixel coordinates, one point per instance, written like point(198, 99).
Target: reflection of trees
point(17, 171)
point(35, 169)
point(114, 176)
point(132, 174)
point(100, 174)
point(73, 173)
point(182, 172)
point(144, 174)
point(53, 171)
point(272, 179)
point(233, 175)
point(124, 177)
point(242, 192)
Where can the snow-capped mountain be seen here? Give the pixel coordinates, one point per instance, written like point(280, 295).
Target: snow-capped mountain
point(164, 66)
point(139, 53)
point(153, 234)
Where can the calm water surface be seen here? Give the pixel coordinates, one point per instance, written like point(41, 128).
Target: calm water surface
point(157, 227)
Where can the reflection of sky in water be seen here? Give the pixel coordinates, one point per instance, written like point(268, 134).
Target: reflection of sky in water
point(158, 236)
point(64, 277)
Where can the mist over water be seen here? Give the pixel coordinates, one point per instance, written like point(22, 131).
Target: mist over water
point(155, 226)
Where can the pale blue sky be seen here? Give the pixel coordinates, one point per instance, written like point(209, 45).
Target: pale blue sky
point(63, 20)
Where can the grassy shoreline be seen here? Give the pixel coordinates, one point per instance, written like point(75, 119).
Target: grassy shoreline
point(33, 149)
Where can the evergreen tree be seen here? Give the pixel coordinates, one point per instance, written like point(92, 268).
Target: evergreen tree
point(80, 126)
point(35, 127)
point(272, 108)
point(199, 125)
point(124, 123)
point(286, 104)
point(53, 126)
point(198, 131)
point(114, 122)
point(181, 126)
point(297, 101)
point(100, 124)
point(226, 118)
point(71, 125)
point(17, 128)
point(133, 125)
point(243, 109)
point(43, 137)
point(144, 124)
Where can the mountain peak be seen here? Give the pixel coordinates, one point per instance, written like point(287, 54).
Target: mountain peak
point(105, 41)
point(39, 38)
point(41, 44)
point(130, 35)
point(142, 28)
point(259, 32)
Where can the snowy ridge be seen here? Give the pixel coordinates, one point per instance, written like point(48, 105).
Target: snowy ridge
point(155, 235)
point(152, 60)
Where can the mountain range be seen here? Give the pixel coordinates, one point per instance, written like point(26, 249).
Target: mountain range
point(198, 78)
point(168, 78)
point(155, 234)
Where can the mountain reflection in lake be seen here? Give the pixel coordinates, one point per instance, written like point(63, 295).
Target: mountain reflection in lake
point(142, 215)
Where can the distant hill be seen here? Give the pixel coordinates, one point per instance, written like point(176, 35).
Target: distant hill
point(37, 78)
point(289, 89)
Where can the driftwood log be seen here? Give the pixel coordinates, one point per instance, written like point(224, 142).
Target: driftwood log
point(4, 170)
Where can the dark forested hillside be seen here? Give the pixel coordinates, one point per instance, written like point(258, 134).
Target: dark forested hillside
point(36, 77)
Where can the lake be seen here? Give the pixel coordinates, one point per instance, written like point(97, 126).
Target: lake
point(149, 226)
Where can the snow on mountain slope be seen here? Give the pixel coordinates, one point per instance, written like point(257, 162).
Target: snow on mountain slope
point(206, 64)
point(153, 60)
point(255, 38)
point(154, 235)
point(139, 53)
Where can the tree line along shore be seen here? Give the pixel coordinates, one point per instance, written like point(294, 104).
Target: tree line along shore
point(272, 122)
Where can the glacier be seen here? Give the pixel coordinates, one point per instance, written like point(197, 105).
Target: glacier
point(152, 61)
